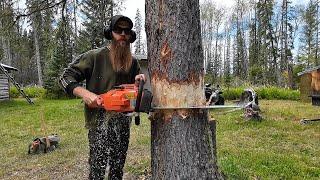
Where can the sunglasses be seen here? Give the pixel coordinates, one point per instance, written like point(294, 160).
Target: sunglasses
point(119, 30)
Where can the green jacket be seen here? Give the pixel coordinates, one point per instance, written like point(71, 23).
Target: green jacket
point(95, 67)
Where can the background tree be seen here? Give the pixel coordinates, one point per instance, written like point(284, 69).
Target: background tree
point(62, 54)
point(36, 23)
point(180, 147)
point(309, 41)
point(240, 64)
point(6, 18)
point(138, 45)
point(97, 15)
point(206, 16)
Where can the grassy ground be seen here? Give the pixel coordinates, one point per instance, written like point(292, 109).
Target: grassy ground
point(276, 148)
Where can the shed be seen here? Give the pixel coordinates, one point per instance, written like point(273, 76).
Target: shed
point(143, 62)
point(4, 81)
point(310, 84)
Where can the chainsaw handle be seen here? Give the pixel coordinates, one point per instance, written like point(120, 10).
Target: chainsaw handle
point(137, 120)
point(138, 101)
point(139, 96)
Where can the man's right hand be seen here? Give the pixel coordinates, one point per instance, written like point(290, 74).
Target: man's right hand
point(89, 98)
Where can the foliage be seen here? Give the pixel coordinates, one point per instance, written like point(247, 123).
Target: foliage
point(97, 14)
point(62, 56)
point(14, 93)
point(277, 147)
point(264, 93)
point(278, 93)
point(310, 29)
point(31, 91)
point(138, 45)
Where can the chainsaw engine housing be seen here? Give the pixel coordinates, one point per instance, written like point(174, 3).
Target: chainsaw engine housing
point(124, 99)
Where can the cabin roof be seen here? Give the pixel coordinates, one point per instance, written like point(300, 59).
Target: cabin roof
point(9, 68)
point(140, 57)
point(309, 70)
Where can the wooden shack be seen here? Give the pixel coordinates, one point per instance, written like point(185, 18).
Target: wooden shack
point(4, 81)
point(310, 85)
point(143, 62)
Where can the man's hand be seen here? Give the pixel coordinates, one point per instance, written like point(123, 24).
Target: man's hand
point(138, 78)
point(89, 98)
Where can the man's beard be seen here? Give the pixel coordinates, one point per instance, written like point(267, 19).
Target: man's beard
point(120, 55)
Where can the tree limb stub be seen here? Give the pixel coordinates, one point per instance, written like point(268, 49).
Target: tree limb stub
point(165, 54)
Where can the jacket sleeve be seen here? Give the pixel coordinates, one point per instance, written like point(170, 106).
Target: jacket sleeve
point(77, 71)
point(136, 69)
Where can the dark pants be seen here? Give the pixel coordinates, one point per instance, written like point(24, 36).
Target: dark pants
point(108, 146)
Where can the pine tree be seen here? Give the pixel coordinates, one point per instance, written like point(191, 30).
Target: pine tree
point(98, 14)
point(206, 17)
point(6, 30)
point(266, 42)
point(180, 143)
point(240, 55)
point(139, 45)
point(255, 68)
point(62, 55)
point(309, 44)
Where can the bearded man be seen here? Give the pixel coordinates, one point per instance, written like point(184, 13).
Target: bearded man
point(103, 69)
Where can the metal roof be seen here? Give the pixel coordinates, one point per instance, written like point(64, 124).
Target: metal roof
point(309, 70)
point(140, 57)
point(7, 67)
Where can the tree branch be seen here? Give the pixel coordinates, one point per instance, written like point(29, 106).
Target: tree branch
point(40, 9)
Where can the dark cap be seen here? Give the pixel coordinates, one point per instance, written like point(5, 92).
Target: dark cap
point(118, 18)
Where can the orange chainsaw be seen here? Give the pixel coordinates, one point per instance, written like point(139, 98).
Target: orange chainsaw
point(128, 98)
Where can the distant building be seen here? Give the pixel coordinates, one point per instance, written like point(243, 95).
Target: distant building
point(143, 61)
point(4, 81)
point(310, 85)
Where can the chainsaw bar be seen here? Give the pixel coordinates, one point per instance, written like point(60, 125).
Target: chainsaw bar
point(199, 107)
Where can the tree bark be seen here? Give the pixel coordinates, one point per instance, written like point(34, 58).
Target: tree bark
point(181, 147)
point(7, 57)
point(37, 55)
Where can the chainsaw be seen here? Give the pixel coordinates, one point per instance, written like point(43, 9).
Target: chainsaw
point(131, 100)
point(128, 99)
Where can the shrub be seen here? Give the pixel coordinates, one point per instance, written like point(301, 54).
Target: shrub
point(264, 93)
point(31, 91)
point(35, 92)
point(14, 93)
point(232, 93)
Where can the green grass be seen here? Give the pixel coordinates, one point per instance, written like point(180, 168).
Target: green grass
point(276, 148)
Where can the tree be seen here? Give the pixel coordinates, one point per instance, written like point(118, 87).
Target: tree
point(180, 143)
point(62, 55)
point(6, 31)
point(266, 42)
point(97, 15)
point(138, 45)
point(218, 15)
point(206, 17)
point(42, 32)
point(309, 40)
point(240, 65)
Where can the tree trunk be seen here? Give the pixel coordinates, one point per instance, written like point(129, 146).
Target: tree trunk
point(180, 139)
point(37, 55)
point(7, 57)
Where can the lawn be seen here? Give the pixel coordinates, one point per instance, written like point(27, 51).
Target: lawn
point(278, 147)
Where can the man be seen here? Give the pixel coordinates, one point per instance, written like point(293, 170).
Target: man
point(103, 69)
